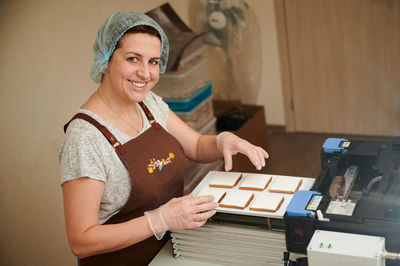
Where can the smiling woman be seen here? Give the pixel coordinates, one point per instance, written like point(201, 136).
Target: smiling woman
point(133, 71)
point(122, 161)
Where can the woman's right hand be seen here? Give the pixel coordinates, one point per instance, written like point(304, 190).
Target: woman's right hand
point(181, 213)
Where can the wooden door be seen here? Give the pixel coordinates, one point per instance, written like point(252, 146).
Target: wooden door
point(340, 64)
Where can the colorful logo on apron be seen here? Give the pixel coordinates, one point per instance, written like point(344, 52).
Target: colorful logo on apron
point(159, 164)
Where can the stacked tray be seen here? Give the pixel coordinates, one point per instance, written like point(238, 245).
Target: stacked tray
point(196, 110)
point(184, 83)
point(230, 244)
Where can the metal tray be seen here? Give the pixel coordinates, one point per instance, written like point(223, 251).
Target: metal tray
point(306, 185)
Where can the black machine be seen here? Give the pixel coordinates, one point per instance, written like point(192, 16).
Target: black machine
point(357, 191)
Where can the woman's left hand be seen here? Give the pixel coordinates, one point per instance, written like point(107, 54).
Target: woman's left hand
point(229, 144)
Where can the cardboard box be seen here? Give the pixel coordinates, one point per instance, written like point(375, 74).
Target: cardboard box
point(253, 130)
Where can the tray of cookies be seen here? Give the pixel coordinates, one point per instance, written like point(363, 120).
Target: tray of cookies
point(263, 195)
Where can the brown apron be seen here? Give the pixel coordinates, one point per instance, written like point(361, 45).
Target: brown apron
point(155, 161)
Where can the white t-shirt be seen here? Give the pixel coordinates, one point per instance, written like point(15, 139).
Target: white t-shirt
point(86, 152)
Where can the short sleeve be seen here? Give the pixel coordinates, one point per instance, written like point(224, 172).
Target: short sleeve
point(81, 157)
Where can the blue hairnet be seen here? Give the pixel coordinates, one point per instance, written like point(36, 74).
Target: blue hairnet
point(112, 30)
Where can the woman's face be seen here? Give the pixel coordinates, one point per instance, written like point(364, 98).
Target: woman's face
point(134, 66)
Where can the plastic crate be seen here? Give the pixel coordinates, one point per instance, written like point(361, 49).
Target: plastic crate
point(187, 105)
point(183, 83)
point(210, 128)
point(199, 116)
point(197, 110)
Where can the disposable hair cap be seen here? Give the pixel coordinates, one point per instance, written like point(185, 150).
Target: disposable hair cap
point(112, 30)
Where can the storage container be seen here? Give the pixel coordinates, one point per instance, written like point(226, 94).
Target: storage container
point(186, 105)
point(197, 110)
point(183, 83)
point(199, 116)
point(210, 128)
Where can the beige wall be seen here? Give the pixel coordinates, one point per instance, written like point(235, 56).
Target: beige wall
point(270, 94)
point(45, 49)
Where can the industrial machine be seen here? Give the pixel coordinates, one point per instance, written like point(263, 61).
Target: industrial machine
point(351, 215)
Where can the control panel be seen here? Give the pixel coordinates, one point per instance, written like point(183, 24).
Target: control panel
point(335, 248)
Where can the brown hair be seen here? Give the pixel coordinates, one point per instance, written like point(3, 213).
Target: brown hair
point(141, 29)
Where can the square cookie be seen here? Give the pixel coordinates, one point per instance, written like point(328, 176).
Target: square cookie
point(238, 199)
point(287, 184)
point(255, 182)
point(268, 202)
point(225, 179)
point(217, 193)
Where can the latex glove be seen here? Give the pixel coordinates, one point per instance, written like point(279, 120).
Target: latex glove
point(229, 144)
point(181, 213)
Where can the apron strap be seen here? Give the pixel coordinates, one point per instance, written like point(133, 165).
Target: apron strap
point(150, 116)
point(110, 137)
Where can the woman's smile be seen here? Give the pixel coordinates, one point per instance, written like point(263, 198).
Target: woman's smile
point(138, 85)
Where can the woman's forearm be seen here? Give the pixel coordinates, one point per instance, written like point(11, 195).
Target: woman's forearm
point(107, 238)
point(207, 150)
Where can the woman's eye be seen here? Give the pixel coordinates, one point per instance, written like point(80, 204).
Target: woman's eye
point(132, 59)
point(154, 62)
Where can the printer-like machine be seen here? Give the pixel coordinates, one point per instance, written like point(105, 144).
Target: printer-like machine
point(351, 215)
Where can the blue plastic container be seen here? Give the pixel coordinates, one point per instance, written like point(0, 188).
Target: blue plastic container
point(187, 105)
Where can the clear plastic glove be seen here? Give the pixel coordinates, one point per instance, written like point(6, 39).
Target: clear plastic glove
point(229, 144)
point(181, 213)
